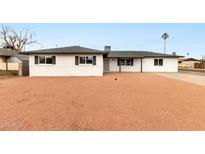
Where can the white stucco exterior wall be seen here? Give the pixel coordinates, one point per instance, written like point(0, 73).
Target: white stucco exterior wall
point(113, 67)
point(169, 65)
point(65, 66)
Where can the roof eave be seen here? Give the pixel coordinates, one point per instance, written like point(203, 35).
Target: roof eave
point(145, 56)
point(161, 56)
point(125, 57)
point(28, 53)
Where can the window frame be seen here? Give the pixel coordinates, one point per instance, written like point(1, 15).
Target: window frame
point(86, 60)
point(125, 61)
point(45, 58)
point(157, 60)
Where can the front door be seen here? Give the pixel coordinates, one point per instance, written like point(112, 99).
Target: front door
point(106, 64)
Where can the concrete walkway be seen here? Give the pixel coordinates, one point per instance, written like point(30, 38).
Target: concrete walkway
point(191, 78)
point(192, 72)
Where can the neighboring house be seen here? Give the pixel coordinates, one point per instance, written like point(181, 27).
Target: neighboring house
point(12, 61)
point(187, 62)
point(80, 61)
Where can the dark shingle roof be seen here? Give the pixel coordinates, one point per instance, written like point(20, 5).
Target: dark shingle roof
point(68, 50)
point(139, 54)
point(83, 50)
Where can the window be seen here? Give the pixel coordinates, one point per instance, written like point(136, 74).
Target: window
point(125, 61)
point(89, 59)
point(46, 59)
point(42, 60)
point(49, 60)
point(128, 62)
point(82, 60)
point(86, 60)
point(122, 61)
point(158, 62)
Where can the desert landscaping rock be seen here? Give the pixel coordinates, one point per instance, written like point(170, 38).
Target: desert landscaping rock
point(116, 101)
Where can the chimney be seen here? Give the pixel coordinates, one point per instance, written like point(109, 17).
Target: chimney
point(107, 48)
point(174, 53)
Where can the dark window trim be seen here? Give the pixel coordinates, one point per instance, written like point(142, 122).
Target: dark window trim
point(36, 59)
point(94, 60)
point(76, 60)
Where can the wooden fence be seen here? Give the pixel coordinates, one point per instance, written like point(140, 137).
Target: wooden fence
point(200, 65)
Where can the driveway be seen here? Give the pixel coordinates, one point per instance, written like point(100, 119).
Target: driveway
point(116, 101)
point(190, 77)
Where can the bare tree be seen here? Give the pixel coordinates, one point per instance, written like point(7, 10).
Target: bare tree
point(14, 40)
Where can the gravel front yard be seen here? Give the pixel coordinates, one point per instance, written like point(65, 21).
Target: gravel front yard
point(126, 101)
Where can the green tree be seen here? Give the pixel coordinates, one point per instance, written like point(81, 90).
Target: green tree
point(165, 36)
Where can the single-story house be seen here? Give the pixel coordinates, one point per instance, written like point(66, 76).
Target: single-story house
point(187, 62)
point(81, 61)
point(13, 61)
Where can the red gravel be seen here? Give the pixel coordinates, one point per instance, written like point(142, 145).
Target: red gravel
point(135, 101)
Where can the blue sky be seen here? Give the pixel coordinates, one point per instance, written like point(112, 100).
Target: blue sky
point(184, 38)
